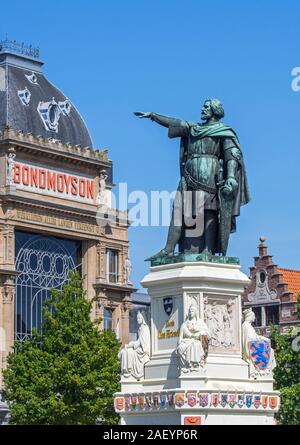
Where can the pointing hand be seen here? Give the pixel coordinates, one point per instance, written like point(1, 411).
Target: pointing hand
point(142, 114)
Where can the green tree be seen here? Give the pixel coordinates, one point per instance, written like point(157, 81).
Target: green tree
point(67, 375)
point(287, 374)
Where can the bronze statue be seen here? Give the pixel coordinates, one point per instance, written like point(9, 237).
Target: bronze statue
point(211, 163)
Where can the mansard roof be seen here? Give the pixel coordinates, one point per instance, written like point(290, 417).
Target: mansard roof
point(31, 104)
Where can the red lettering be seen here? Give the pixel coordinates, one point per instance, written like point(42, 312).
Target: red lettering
point(60, 183)
point(82, 188)
point(17, 173)
point(42, 179)
point(51, 180)
point(90, 189)
point(25, 175)
point(74, 188)
point(67, 182)
point(34, 177)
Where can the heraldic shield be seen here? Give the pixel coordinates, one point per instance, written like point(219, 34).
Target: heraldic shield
point(168, 305)
point(260, 353)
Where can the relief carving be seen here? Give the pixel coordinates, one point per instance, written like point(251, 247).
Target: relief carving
point(219, 316)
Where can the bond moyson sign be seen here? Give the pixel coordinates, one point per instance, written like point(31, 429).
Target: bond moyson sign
point(52, 182)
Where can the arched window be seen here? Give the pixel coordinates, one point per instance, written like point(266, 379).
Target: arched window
point(43, 263)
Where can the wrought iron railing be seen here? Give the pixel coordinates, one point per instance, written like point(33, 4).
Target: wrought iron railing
point(19, 48)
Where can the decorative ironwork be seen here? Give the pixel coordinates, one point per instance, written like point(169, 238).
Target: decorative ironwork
point(43, 263)
point(20, 48)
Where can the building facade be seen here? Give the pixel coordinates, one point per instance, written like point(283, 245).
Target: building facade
point(52, 215)
point(273, 293)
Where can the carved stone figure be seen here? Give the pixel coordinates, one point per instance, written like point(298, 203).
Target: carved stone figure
point(257, 349)
point(192, 346)
point(136, 354)
point(211, 162)
point(102, 198)
point(219, 320)
point(127, 268)
point(10, 169)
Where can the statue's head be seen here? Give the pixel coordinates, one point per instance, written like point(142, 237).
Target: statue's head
point(212, 108)
point(249, 315)
point(141, 318)
point(193, 312)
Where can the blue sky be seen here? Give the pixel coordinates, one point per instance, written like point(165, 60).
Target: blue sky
point(112, 58)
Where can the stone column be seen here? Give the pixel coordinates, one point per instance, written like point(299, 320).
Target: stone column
point(101, 262)
point(8, 245)
point(89, 269)
point(263, 317)
point(6, 317)
point(120, 278)
point(124, 325)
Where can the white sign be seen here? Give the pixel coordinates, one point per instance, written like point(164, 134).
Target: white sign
point(52, 182)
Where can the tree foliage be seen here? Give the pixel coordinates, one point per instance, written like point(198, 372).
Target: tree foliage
point(287, 374)
point(67, 375)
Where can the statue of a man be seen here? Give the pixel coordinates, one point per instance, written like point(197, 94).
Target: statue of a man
point(136, 354)
point(211, 162)
point(193, 342)
point(127, 269)
point(257, 349)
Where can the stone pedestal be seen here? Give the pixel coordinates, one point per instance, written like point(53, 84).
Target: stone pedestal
point(219, 393)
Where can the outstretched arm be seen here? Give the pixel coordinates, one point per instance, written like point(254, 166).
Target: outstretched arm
point(160, 119)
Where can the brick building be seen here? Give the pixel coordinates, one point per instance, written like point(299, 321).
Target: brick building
point(272, 293)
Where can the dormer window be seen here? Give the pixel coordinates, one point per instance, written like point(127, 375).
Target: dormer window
point(32, 78)
point(24, 96)
point(50, 113)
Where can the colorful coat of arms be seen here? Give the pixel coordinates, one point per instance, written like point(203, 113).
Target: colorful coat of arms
point(249, 400)
point(192, 420)
point(224, 400)
point(240, 400)
point(179, 400)
point(257, 401)
point(260, 353)
point(134, 401)
point(142, 400)
point(232, 400)
point(127, 402)
point(119, 403)
point(156, 399)
point(192, 399)
point(170, 397)
point(273, 402)
point(215, 400)
point(163, 400)
point(264, 401)
point(203, 400)
point(148, 398)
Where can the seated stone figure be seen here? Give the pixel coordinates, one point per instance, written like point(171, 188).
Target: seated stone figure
point(193, 342)
point(136, 354)
point(257, 349)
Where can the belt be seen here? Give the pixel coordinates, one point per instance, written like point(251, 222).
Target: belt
point(198, 185)
point(202, 156)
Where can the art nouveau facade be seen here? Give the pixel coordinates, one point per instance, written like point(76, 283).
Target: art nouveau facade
point(49, 202)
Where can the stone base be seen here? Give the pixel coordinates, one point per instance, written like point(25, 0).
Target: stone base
point(223, 393)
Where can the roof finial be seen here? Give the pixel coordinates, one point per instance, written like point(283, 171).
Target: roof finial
point(262, 246)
